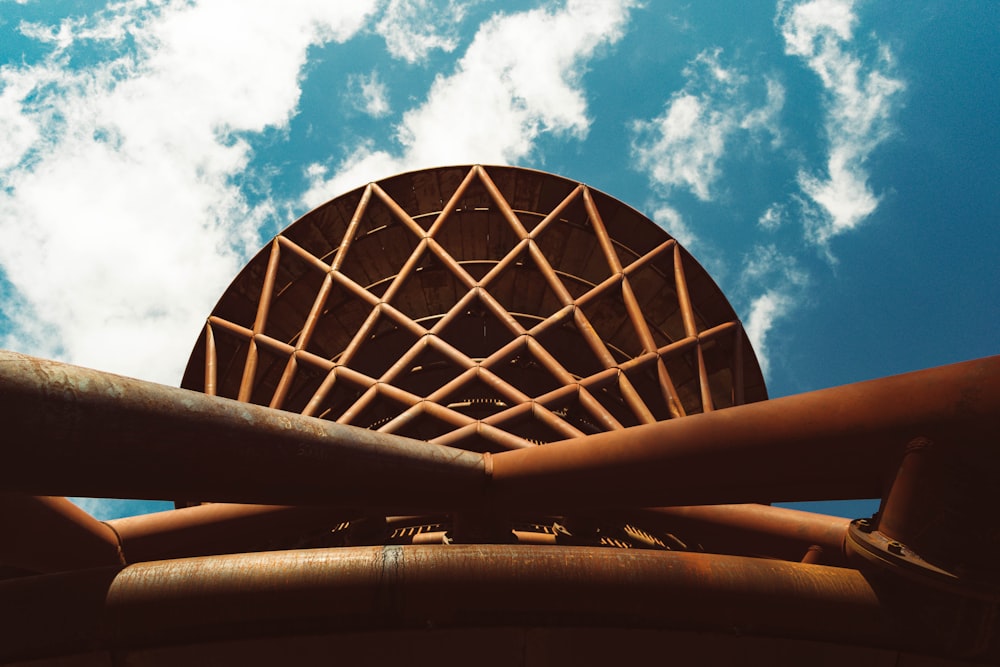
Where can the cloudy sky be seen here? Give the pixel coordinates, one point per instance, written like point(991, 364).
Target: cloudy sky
point(834, 164)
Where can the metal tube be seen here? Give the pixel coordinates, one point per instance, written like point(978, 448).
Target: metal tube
point(834, 443)
point(218, 528)
point(752, 529)
point(51, 534)
point(74, 431)
point(431, 586)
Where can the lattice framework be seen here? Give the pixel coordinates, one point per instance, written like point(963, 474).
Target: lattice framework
point(580, 331)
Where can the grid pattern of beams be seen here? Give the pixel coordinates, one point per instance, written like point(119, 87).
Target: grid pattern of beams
point(485, 309)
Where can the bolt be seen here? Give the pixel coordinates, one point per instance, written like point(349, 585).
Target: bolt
point(895, 548)
point(864, 525)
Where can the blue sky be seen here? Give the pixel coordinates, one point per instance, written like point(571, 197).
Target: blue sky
point(834, 164)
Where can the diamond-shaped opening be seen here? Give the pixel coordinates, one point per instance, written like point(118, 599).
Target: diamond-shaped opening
point(340, 319)
point(477, 331)
point(475, 399)
point(609, 318)
point(565, 342)
point(523, 371)
point(296, 285)
point(431, 290)
point(386, 342)
point(381, 246)
point(522, 288)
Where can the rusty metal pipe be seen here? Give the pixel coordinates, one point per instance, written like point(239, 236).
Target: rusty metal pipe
point(752, 529)
point(831, 444)
point(219, 528)
point(51, 534)
point(360, 588)
point(75, 431)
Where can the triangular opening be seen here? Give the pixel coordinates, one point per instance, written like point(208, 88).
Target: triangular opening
point(523, 370)
point(424, 426)
point(565, 342)
point(477, 331)
point(475, 399)
point(645, 378)
point(609, 395)
point(571, 409)
point(378, 412)
point(533, 429)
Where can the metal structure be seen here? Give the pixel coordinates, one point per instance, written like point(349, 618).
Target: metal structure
point(490, 414)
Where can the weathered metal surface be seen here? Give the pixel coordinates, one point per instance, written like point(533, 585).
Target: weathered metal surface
point(843, 442)
point(750, 529)
point(379, 588)
point(51, 534)
point(79, 432)
point(75, 431)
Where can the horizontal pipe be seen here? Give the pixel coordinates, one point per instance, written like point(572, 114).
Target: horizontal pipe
point(376, 588)
point(837, 443)
point(751, 529)
point(219, 528)
point(71, 431)
point(51, 534)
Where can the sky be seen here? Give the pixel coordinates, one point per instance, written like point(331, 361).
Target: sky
point(834, 164)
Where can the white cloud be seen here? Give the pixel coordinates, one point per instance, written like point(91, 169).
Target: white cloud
point(682, 147)
point(369, 94)
point(780, 285)
point(765, 310)
point(670, 219)
point(773, 217)
point(414, 28)
point(860, 100)
point(120, 218)
point(519, 78)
